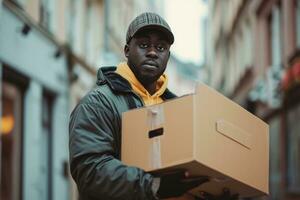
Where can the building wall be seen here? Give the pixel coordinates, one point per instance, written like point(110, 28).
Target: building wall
point(85, 36)
point(252, 47)
point(78, 27)
point(60, 21)
point(32, 8)
point(33, 56)
point(232, 43)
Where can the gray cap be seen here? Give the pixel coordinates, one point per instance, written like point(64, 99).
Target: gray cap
point(146, 20)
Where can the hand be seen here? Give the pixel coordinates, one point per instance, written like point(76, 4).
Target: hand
point(226, 195)
point(176, 183)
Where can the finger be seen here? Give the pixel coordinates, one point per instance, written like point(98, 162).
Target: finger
point(175, 174)
point(192, 183)
point(201, 179)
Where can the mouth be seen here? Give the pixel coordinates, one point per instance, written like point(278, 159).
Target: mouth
point(150, 65)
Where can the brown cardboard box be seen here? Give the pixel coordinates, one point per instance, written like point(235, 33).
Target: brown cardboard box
point(205, 133)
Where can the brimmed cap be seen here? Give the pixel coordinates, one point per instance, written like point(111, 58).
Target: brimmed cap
point(146, 20)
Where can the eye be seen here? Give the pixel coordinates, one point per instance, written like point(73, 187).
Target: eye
point(161, 47)
point(143, 45)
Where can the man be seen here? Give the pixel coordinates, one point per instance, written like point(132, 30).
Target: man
point(95, 124)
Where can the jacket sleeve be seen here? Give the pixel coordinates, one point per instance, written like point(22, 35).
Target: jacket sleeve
point(98, 174)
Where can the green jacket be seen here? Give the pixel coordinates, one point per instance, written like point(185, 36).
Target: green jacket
point(95, 142)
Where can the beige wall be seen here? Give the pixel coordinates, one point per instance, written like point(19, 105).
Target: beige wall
point(60, 19)
point(32, 8)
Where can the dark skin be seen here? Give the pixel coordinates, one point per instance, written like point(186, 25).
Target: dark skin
point(147, 55)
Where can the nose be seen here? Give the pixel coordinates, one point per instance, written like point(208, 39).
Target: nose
point(152, 53)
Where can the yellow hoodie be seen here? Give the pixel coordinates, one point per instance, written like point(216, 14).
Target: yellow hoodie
point(124, 70)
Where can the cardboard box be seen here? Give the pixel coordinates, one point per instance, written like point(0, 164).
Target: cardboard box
point(204, 133)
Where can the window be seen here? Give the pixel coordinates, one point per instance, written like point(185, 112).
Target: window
point(298, 23)
point(10, 141)
point(293, 149)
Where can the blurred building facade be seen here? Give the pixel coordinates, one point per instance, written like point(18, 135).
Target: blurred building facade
point(254, 60)
point(34, 102)
point(49, 54)
point(185, 75)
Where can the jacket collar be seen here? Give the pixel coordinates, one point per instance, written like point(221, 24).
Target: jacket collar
point(107, 75)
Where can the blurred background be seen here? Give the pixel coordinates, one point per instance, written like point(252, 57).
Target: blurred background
point(50, 50)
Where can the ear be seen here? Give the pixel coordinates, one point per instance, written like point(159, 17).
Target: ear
point(169, 55)
point(126, 50)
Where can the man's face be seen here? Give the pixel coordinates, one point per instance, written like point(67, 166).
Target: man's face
point(148, 53)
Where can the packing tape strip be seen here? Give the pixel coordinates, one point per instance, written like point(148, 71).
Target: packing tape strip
point(155, 120)
point(155, 157)
point(155, 116)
